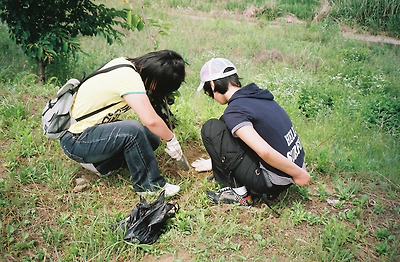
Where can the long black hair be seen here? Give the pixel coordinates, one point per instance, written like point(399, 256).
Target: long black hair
point(162, 72)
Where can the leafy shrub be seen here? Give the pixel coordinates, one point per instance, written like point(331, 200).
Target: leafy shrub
point(268, 13)
point(382, 111)
point(304, 9)
point(356, 72)
point(313, 99)
point(358, 54)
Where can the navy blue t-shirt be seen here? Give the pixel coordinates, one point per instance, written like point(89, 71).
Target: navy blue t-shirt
point(256, 107)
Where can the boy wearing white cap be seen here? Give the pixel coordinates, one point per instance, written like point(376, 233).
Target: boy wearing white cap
point(254, 147)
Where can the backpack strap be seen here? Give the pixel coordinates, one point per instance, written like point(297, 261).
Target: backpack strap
point(266, 200)
point(108, 69)
point(105, 70)
point(95, 112)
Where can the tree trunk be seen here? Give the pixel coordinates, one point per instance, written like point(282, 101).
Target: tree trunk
point(41, 67)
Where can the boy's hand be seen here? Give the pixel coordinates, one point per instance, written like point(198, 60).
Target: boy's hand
point(202, 165)
point(303, 179)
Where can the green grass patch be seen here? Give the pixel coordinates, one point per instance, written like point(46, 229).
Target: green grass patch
point(341, 94)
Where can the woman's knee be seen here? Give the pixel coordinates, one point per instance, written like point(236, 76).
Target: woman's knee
point(137, 129)
point(133, 124)
point(132, 128)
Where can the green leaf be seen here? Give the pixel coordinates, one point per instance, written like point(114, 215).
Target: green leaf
point(162, 32)
point(10, 229)
point(65, 46)
point(25, 235)
point(140, 25)
point(129, 17)
point(135, 20)
point(40, 53)
point(52, 53)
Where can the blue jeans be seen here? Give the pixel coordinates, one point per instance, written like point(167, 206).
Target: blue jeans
point(109, 145)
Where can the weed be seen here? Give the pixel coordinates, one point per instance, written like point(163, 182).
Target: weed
point(351, 215)
point(304, 192)
point(184, 222)
point(382, 233)
point(361, 202)
point(382, 248)
point(260, 240)
point(53, 236)
point(321, 191)
point(304, 10)
point(379, 208)
point(385, 241)
point(334, 238)
point(347, 190)
point(298, 214)
point(11, 113)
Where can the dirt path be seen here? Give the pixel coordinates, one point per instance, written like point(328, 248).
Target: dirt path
point(372, 38)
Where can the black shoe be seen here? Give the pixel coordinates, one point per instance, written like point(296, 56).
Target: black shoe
point(228, 196)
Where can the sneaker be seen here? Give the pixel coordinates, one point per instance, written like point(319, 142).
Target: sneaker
point(170, 190)
point(91, 167)
point(228, 196)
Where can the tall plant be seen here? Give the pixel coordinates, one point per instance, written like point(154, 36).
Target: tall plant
point(376, 15)
point(49, 28)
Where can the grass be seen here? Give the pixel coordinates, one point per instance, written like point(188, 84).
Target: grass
point(341, 94)
point(374, 15)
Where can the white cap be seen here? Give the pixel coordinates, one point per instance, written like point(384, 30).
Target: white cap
point(214, 69)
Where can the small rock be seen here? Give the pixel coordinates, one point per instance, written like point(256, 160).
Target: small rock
point(80, 188)
point(332, 202)
point(80, 181)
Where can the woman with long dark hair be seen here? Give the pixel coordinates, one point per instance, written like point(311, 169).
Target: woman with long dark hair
point(102, 143)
